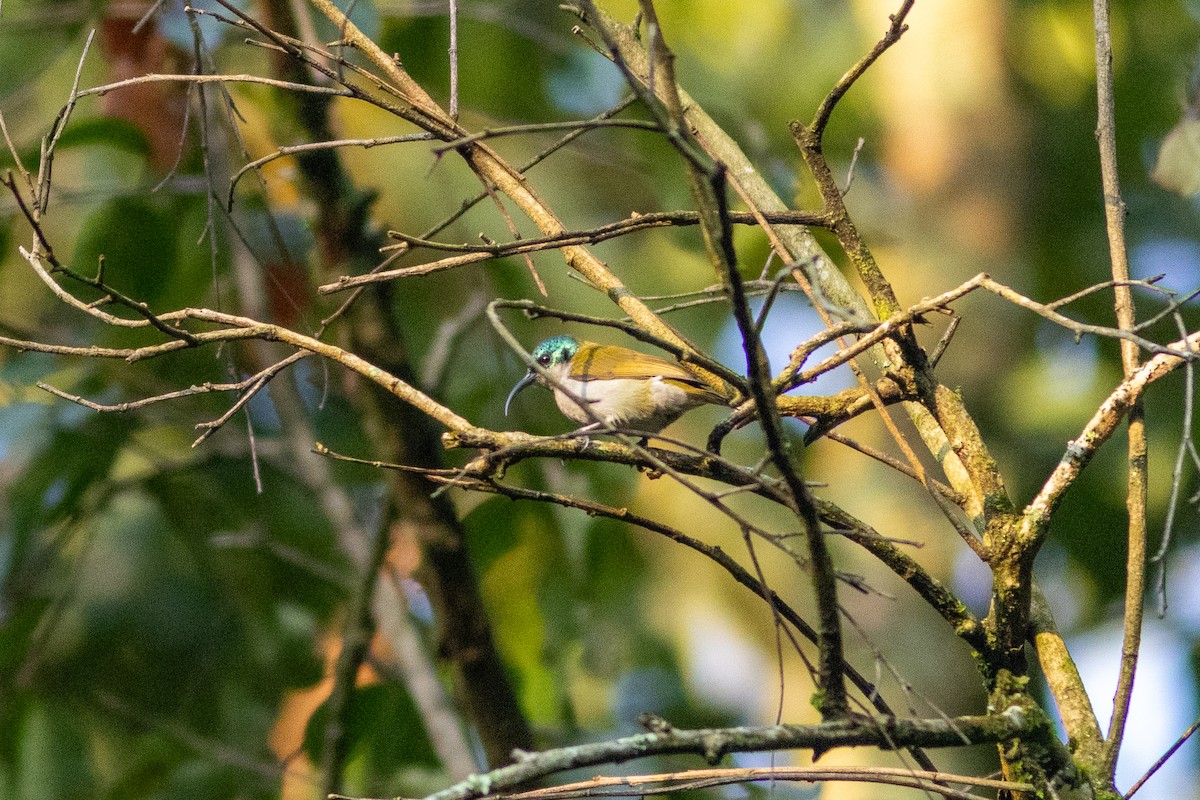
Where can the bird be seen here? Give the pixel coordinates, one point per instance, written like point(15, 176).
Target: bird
point(620, 387)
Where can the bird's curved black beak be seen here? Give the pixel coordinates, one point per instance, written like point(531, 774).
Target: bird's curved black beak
point(529, 378)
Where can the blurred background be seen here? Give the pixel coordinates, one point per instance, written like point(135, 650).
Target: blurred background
point(170, 616)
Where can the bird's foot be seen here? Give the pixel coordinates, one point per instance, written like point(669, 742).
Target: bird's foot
point(585, 441)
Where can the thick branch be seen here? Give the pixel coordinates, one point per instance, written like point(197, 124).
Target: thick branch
point(713, 743)
point(689, 780)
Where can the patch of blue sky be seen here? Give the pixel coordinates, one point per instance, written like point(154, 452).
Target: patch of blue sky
point(1163, 704)
point(174, 25)
point(1183, 578)
point(791, 321)
point(587, 84)
point(648, 689)
point(1176, 258)
point(262, 410)
point(1069, 368)
point(972, 581)
point(17, 423)
point(419, 604)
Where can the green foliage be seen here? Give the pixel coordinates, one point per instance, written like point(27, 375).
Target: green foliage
point(383, 734)
point(119, 134)
point(31, 39)
point(136, 240)
point(1176, 168)
point(518, 91)
point(77, 458)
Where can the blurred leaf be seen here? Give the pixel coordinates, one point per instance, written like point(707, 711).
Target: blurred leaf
point(34, 34)
point(492, 529)
point(16, 636)
point(137, 239)
point(197, 778)
point(519, 552)
point(75, 460)
point(383, 727)
point(112, 132)
point(519, 91)
point(52, 756)
point(264, 550)
point(1178, 166)
point(614, 570)
point(145, 769)
point(135, 607)
point(656, 690)
point(163, 573)
point(30, 368)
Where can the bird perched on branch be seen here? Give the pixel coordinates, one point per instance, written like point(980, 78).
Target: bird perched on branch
point(619, 387)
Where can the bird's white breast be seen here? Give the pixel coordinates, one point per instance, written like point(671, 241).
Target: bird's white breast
point(638, 404)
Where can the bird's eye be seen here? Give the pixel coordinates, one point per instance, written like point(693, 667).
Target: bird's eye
point(543, 360)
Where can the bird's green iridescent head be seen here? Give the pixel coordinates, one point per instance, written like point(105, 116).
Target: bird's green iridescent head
point(555, 350)
point(549, 353)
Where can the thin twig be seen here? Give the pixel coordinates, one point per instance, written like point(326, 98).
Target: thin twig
point(45, 168)
point(467, 205)
point(308, 147)
point(12, 149)
point(453, 53)
point(709, 193)
point(514, 232)
point(248, 388)
point(223, 78)
point(150, 12)
point(540, 127)
point(895, 30)
point(1157, 765)
point(474, 254)
point(1186, 446)
point(1136, 491)
point(132, 405)
point(1101, 426)
point(690, 780)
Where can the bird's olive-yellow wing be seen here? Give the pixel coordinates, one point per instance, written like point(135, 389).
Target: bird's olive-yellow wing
point(608, 362)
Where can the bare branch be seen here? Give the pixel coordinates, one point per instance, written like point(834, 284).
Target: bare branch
point(1100, 427)
point(1163, 759)
point(222, 79)
point(690, 780)
point(41, 197)
point(121, 408)
point(712, 743)
point(16, 157)
point(708, 192)
point(453, 52)
point(895, 30)
point(288, 150)
point(542, 127)
point(248, 389)
point(1137, 477)
point(477, 253)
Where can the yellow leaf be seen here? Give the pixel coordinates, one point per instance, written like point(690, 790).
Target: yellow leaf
point(1178, 167)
